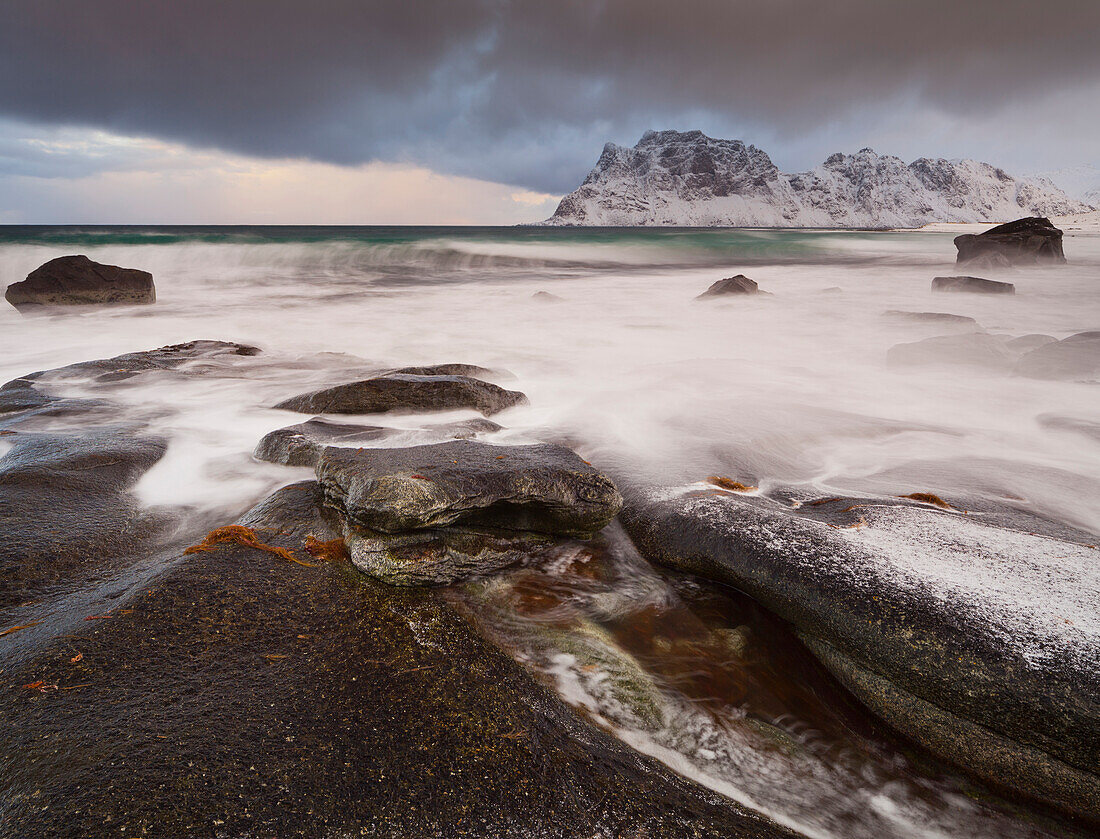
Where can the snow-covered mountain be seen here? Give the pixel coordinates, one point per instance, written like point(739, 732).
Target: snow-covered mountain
point(688, 178)
point(1077, 181)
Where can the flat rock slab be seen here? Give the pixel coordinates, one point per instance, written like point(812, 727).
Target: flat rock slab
point(302, 444)
point(243, 695)
point(541, 488)
point(972, 285)
point(739, 284)
point(76, 280)
point(980, 632)
point(406, 392)
point(937, 318)
point(1024, 241)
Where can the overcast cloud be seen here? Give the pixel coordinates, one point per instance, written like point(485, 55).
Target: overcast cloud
point(525, 93)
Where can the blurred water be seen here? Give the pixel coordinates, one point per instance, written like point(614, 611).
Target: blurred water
point(792, 388)
point(788, 389)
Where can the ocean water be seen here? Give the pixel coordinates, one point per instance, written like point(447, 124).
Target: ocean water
point(795, 389)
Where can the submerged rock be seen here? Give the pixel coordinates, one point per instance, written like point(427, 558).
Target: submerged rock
point(302, 444)
point(930, 317)
point(547, 297)
point(1024, 241)
point(975, 349)
point(76, 280)
point(1077, 358)
point(979, 642)
point(472, 371)
point(406, 392)
point(974, 285)
point(542, 488)
point(739, 284)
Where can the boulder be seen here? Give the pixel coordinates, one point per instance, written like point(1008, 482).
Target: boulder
point(974, 285)
point(979, 642)
point(739, 284)
point(406, 392)
point(975, 349)
point(1077, 358)
point(1026, 241)
point(929, 317)
point(302, 444)
point(76, 280)
point(542, 488)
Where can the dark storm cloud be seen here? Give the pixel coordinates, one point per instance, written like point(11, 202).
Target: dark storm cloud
point(518, 91)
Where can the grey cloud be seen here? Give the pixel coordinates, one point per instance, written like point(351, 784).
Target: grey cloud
point(523, 92)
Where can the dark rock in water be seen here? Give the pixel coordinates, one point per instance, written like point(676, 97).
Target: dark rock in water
point(403, 392)
point(975, 349)
point(1077, 358)
point(542, 488)
point(1024, 241)
point(979, 642)
point(302, 444)
point(439, 556)
point(739, 284)
point(929, 317)
point(974, 285)
point(473, 371)
point(263, 698)
point(76, 280)
point(547, 297)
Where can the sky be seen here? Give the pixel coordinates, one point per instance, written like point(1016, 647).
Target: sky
point(487, 111)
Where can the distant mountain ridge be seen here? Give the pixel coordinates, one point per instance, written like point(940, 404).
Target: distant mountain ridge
point(688, 178)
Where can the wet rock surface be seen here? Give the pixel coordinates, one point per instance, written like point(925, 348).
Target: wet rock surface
point(542, 488)
point(77, 280)
point(978, 641)
point(1026, 241)
point(972, 285)
point(406, 393)
point(302, 444)
point(739, 284)
point(240, 694)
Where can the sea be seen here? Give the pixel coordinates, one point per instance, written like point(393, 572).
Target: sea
point(801, 388)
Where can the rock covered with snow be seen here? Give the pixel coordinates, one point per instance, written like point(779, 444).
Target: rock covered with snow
point(688, 178)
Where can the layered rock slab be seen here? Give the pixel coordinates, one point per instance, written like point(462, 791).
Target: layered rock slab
point(951, 629)
point(408, 393)
point(972, 285)
point(541, 488)
point(302, 444)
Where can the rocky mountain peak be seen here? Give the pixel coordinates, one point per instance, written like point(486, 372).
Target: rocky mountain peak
point(687, 178)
